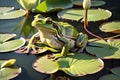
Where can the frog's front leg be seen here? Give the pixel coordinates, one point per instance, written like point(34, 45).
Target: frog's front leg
point(64, 52)
point(31, 45)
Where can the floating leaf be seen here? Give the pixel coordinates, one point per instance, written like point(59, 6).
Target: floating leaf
point(109, 49)
point(45, 65)
point(5, 37)
point(8, 63)
point(51, 5)
point(7, 73)
point(110, 77)
point(27, 4)
point(10, 13)
point(6, 46)
point(80, 64)
point(113, 27)
point(77, 14)
point(93, 2)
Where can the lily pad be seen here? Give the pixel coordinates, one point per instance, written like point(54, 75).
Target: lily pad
point(93, 2)
point(113, 27)
point(11, 13)
point(45, 65)
point(109, 49)
point(78, 14)
point(53, 5)
point(11, 45)
point(80, 64)
point(8, 72)
point(5, 37)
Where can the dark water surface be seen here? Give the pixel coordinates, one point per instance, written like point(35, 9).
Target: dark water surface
point(25, 61)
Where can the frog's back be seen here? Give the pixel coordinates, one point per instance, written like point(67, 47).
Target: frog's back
point(68, 29)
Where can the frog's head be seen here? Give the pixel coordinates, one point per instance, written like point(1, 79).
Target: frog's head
point(42, 23)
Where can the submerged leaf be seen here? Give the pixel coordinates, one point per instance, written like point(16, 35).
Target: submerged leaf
point(80, 64)
point(110, 77)
point(113, 27)
point(109, 49)
point(11, 45)
point(114, 76)
point(8, 72)
point(10, 13)
point(25, 26)
point(45, 65)
point(53, 5)
point(116, 71)
point(78, 14)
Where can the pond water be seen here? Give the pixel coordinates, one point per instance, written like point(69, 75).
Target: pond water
point(25, 61)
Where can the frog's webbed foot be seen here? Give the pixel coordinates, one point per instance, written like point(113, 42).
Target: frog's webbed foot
point(28, 49)
point(54, 56)
point(23, 50)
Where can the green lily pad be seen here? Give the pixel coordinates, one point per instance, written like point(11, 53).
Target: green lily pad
point(53, 5)
point(80, 64)
point(78, 14)
point(45, 65)
point(113, 27)
point(11, 45)
point(93, 2)
point(109, 49)
point(27, 4)
point(11, 13)
point(8, 72)
point(110, 77)
point(5, 37)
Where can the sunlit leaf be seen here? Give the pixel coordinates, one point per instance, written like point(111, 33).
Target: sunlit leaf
point(5, 9)
point(93, 2)
point(113, 27)
point(10, 13)
point(53, 5)
point(10, 45)
point(80, 64)
point(27, 4)
point(109, 49)
point(5, 37)
point(7, 73)
point(8, 63)
point(78, 14)
point(45, 65)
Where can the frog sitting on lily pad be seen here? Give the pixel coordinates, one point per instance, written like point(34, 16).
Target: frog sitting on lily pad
point(64, 46)
point(55, 37)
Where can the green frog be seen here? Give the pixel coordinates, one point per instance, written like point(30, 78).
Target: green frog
point(57, 37)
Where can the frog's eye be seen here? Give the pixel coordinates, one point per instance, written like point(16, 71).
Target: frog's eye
point(48, 20)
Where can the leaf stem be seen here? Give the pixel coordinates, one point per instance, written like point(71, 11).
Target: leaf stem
point(86, 25)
